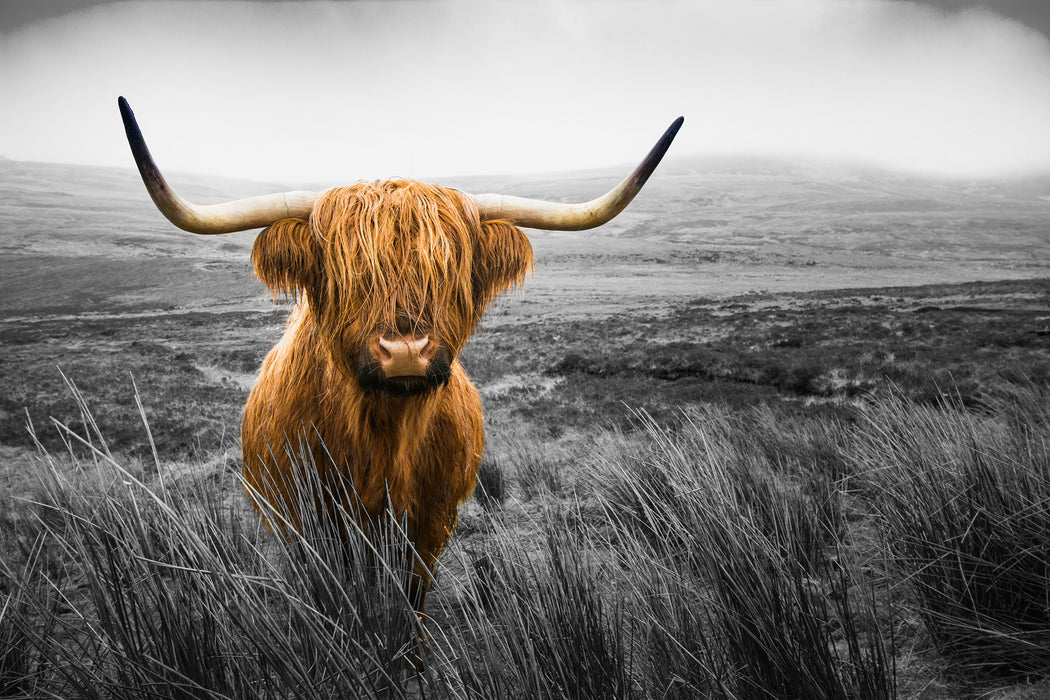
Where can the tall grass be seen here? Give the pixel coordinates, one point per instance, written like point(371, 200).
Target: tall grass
point(539, 470)
point(21, 667)
point(772, 615)
point(542, 618)
point(716, 558)
point(179, 593)
point(491, 488)
point(965, 502)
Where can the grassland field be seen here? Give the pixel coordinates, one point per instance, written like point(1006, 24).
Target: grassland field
point(736, 282)
point(801, 290)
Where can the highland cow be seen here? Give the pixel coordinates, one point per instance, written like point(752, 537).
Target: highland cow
point(390, 278)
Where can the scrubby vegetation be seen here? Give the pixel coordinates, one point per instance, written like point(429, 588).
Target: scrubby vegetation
point(698, 559)
point(964, 504)
point(767, 497)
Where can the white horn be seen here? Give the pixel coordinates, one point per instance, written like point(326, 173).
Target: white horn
point(556, 216)
point(227, 217)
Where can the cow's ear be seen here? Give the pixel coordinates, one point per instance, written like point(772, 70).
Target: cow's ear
point(285, 257)
point(502, 258)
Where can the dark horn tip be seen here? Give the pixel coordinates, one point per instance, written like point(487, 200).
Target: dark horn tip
point(143, 160)
point(658, 150)
point(672, 130)
point(128, 117)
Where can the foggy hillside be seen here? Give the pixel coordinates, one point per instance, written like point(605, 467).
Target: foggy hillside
point(701, 226)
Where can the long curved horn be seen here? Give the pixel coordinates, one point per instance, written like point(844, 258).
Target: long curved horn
point(238, 215)
point(556, 216)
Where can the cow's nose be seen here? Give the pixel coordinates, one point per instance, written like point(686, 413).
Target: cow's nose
point(405, 357)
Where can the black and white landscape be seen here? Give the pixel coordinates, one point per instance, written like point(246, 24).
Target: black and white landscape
point(778, 430)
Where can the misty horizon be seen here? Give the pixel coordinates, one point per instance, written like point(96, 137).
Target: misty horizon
point(674, 164)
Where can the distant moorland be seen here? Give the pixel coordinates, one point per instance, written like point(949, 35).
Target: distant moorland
point(780, 346)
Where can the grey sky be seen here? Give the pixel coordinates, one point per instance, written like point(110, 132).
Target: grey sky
point(1033, 13)
point(337, 92)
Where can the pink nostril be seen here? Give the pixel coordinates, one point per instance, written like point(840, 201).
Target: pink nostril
point(404, 357)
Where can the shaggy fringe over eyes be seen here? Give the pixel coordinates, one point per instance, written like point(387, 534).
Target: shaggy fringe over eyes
point(285, 257)
point(393, 248)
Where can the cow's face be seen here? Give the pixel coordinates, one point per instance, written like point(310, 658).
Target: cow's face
point(396, 275)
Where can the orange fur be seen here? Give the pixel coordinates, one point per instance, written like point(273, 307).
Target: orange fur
point(370, 254)
point(284, 256)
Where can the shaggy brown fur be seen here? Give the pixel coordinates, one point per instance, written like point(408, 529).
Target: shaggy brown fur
point(396, 257)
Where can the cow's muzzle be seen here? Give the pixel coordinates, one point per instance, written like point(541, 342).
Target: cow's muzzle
point(404, 366)
point(404, 357)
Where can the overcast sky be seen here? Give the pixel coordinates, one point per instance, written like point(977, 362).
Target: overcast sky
point(341, 91)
